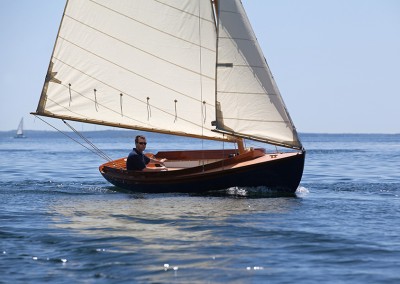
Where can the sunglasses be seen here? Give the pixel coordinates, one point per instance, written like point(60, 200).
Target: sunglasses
point(142, 143)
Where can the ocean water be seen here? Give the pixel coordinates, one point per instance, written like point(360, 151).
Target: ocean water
point(61, 222)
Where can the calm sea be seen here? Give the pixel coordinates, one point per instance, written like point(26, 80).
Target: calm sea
point(60, 221)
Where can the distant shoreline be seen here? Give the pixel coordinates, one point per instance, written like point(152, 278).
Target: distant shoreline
point(36, 132)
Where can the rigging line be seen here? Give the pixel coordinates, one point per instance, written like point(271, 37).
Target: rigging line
point(201, 86)
point(176, 111)
point(120, 102)
point(223, 152)
point(95, 100)
point(70, 94)
point(100, 152)
point(91, 150)
point(148, 109)
point(205, 111)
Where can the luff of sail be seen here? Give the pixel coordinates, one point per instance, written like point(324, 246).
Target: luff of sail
point(147, 65)
point(248, 100)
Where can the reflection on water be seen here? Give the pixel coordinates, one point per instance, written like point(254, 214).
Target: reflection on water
point(189, 233)
point(160, 216)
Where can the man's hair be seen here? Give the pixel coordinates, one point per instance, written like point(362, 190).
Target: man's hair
point(139, 136)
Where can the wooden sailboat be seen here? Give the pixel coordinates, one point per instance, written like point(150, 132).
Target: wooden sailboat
point(182, 67)
point(20, 129)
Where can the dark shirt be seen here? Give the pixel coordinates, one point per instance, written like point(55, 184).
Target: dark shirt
point(136, 161)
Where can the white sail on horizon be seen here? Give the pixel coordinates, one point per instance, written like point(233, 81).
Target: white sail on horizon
point(20, 129)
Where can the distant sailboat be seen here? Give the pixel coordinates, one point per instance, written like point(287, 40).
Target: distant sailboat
point(190, 68)
point(20, 130)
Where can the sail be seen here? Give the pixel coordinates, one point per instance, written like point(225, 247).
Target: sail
point(248, 101)
point(165, 66)
point(20, 129)
point(146, 65)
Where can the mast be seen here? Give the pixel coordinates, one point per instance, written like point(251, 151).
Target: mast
point(238, 141)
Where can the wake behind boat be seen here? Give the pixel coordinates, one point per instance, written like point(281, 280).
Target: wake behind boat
point(188, 68)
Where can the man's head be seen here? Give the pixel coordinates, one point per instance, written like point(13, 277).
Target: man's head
point(140, 142)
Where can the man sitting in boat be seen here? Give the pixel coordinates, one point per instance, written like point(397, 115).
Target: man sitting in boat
point(137, 161)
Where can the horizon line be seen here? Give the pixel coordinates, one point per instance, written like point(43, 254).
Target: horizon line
point(112, 129)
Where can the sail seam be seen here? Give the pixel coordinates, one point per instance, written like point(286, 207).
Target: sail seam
point(238, 38)
point(137, 48)
point(258, 120)
point(108, 85)
point(130, 71)
point(78, 114)
point(84, 116)
point(117, 112)
point(247, 93)
point(230, 12)
point(183, 11)
point(130, 18)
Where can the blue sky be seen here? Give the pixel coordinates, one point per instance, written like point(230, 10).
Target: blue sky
point(336, 62)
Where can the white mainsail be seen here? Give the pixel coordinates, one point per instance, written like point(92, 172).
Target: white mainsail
point(151, 65)
point(140, 64)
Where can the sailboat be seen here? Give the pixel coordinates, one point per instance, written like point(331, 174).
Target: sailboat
point(20, 129)
point(189, 68)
